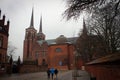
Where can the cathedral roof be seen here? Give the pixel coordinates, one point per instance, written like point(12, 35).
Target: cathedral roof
point(71, 40)
point(51, 41)
point(41, 42)
point(61, 39)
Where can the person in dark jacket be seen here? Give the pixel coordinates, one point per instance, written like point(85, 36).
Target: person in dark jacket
point(48, 73)
point(56, 72)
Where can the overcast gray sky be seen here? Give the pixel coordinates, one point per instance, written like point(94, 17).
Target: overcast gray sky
point(19, 14)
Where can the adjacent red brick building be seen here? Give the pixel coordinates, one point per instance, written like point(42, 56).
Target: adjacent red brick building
point(4, 34)
point(105, 68)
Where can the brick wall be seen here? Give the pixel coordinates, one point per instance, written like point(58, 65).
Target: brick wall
point(65, 56)
point(104, 72)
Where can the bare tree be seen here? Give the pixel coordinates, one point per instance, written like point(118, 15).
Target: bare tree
point(89, 45)
point(11, 50)
point(104, 20)
point(75, 7)
point(105, 23)
point(103, 26)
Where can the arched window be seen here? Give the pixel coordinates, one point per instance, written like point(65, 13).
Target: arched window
point(58, 50)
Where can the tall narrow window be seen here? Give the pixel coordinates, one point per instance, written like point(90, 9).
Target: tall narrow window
point(43, 62)
point(1, 41)
point(0, 57)
point(60, 63)
point(43, 52)
point(37, 55)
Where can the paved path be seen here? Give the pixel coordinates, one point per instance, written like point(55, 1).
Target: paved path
point(62, 75)
point(29, 76)
point(65, 76)
point(82, 75)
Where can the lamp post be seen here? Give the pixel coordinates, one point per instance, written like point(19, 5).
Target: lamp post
point(75, 72)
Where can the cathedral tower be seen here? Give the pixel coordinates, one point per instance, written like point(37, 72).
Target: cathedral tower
point(40, 35)
point(30, 37)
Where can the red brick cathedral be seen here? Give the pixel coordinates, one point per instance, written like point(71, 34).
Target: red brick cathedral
point(39, 52)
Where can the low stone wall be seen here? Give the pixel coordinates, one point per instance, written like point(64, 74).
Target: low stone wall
point(32, 68)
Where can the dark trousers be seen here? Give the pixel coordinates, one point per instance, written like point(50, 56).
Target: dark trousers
point(48, 76)
point(56, 75)
point(52, 75)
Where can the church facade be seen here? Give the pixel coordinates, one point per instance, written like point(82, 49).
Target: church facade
point(42, 54)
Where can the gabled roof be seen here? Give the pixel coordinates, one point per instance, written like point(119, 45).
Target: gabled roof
point(107, 58)
point(71, 40)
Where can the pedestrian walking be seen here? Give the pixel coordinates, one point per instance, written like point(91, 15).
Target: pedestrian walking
point(48, 73)
point(56, 72)
point(52, 71)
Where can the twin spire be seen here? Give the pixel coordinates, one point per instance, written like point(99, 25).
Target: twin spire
point(32, 22)
point(84, 27)
point(40, 29)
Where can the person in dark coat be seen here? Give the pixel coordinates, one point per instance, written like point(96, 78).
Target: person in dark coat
point(48, 73)
point(56, 72)
point(52, 71)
